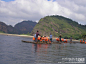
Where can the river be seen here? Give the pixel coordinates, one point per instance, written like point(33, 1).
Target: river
point(14, 51)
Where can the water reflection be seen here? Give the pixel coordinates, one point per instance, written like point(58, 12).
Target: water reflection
point(49, 53)
point(37, 47)
point(13, 51)
point(46, 47)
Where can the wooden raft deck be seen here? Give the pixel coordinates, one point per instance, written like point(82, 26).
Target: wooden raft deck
point(41, 42)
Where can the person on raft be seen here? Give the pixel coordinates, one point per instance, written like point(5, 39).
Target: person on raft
point(46, 39)
point(34, 37)
point(60, 38)
point(37, 34)
point(51, 37)
point(71, 39)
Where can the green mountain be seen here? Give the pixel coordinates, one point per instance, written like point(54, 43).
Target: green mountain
point(57, 25)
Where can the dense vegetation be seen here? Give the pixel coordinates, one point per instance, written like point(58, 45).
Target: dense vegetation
point(1, 32)
point(59, 25)
point(83, 36)
point(26, 34)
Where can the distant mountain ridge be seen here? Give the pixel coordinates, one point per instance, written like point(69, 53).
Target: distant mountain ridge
point(7, 28)
point(57, 25)
point(25, 27)
point(19, 28)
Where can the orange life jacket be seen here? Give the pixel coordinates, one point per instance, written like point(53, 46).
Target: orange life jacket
point(39, 38)
point(57, 39)
point(46, 38)
point(85, 42)
point(65, 41)
point(33, 38)
point(80, 41)
point(42, 38)
point(62, 39)
point(49, 41)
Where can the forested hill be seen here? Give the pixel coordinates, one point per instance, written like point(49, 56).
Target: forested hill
point(59, 25)
point(23, 27)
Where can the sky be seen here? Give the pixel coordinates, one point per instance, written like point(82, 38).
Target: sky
point(15, 11)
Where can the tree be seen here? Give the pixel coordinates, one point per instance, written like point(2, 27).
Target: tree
point(84, 36)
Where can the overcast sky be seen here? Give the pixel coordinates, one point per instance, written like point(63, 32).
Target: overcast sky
point(14, 11)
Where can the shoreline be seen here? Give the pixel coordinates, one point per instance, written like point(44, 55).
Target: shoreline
point(73, 40)
point(16, 35)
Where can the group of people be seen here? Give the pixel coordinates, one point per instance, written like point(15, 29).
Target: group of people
point(63, 40)
point(36, 38)
point(44, 38)
point(60, 39)
point(83, 41)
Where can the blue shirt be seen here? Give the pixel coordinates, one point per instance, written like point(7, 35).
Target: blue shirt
point(35, 36)
point(50, 36)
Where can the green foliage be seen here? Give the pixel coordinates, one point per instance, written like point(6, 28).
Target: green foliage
point(83, 36)
point(1, 32)
point(28, 33)
point(25, 34)
point(59, 25)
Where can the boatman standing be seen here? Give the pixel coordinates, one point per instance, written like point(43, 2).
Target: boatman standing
point(37, 34)
point(60, 38)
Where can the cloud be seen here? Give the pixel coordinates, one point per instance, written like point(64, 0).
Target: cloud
point(77, 9)
point(7, 0)
point(15, 11)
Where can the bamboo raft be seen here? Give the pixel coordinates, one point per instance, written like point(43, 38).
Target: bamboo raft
point(41, 42)
point(54, 42)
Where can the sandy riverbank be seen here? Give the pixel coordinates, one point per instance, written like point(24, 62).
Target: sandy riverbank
point(16, 35)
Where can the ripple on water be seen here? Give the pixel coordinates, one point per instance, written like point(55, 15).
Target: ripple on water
point(13, 51)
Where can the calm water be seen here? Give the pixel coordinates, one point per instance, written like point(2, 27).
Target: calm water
point(13, 51)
